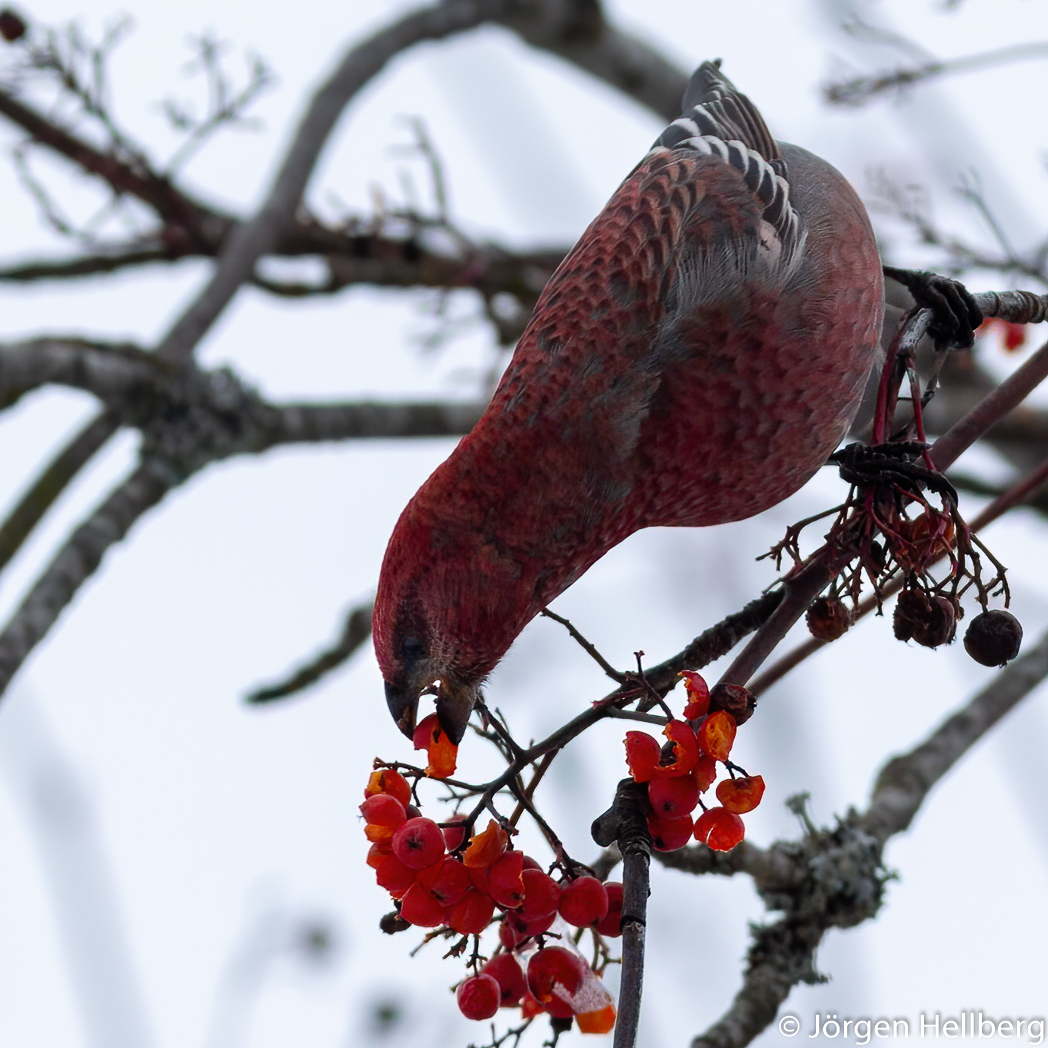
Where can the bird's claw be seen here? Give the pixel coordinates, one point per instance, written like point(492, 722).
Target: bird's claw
point(956, 314)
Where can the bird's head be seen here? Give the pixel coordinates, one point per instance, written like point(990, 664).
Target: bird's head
point(448, 606)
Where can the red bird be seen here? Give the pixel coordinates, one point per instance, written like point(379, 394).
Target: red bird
point(693, 360)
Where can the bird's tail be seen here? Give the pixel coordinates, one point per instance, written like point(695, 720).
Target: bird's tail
point(717, 119)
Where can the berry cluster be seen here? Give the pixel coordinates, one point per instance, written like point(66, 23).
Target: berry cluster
point(441, 880)
point(685, 767)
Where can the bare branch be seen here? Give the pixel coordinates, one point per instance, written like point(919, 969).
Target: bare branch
point(860, 90)
point(578, 31)
point(905, 781)
point(354, 634)
point(78, 560)
point(251, 241)
point(51, 483)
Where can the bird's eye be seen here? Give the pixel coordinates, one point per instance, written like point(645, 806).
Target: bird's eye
point(412, 648)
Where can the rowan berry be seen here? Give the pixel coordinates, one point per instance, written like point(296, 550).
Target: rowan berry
point(717, 735)
point(478, 997)
point(673, 798)
point(611, 925)
point(541, 894)
point(742, 794)
point(505, 969)
point(669, 834)
point(418, 843)
point(470, 915)
point(421, 907)
point(387, 780)
point(993, 638)
point(583, 902)
point(719, 829)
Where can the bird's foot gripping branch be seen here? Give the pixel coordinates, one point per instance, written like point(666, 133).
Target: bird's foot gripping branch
point(533, 938)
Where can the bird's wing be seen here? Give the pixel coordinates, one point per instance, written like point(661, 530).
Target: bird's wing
point(719, 120)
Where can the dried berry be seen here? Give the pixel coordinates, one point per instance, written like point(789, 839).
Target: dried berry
point(929, 620)
point(12, 26)
point(827, 618)
point(993, 638)
point(733, 699)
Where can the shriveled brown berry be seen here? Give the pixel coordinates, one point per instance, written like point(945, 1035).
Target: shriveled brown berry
point(994, 638)
point(929, 620)
point(12, 26)
point(827, 618)
point(733, 699)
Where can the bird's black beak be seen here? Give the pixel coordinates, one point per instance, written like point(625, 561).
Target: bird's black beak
point(403, 704)
point(454, 705)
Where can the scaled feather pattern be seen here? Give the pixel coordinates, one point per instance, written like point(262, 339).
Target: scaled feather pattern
point(694, 360)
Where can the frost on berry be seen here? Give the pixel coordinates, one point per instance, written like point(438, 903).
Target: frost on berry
point(487, 847)
point(993, 638)
point(719, 829)
point(418, 843)
point(554, 973)
point(440, 750)
point(673, 798)
point(827, 618)
point(583, 902)
point(717, 735)
point(669, 834)
point(479, 997)
point(505, 969)
point(742, 794)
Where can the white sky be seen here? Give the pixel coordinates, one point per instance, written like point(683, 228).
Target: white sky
point(139, 793)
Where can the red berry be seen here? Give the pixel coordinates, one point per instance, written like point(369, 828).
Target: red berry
point(384, 815)
point(583, 902)
point(478, 997)
point(487, 847)
point(440, 750)
point(386, 780)
point(742, 794)
point(669, 834)
point(720, 829)
point(698, 696)
point(454, 833)
point(448, 880)
point(508, 934)
point(611, 925)
point(524, 927)
point(717, 735)
point(418, 843)
point(505, 880)
point(505, 969)
point(541, 894)
point(394, 876)
point(422, 908)
point(554, 974)
point(471, 914)
point(377, 852)
point(705, 773)
point(673, 798)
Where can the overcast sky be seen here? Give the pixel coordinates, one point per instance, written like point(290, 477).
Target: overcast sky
point(164, 846)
